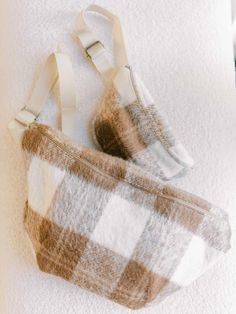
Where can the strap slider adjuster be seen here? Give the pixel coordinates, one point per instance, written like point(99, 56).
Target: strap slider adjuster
point(92, 46)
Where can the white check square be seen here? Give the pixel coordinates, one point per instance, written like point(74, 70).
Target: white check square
point(120, 226)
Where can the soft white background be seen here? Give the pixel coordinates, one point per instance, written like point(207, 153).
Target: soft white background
point(183, 52)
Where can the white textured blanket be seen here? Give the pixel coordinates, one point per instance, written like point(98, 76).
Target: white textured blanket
point(183, 52)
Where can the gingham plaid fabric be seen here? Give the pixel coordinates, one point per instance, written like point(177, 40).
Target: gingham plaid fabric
point(101, 223)
point(137, 132)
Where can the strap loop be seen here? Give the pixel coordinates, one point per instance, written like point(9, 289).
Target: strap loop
point(25, 117)
point(94, 48)
point(58, 68)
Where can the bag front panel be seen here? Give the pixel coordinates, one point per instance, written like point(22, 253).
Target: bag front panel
point(107, 227)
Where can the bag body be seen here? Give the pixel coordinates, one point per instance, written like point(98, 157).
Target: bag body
point(101, 223)
point(128, 123)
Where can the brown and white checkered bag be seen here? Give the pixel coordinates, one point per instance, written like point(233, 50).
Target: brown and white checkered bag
point(103, 223)
point(128, 123)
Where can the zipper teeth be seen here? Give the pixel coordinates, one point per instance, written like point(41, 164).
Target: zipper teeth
point(87, 163)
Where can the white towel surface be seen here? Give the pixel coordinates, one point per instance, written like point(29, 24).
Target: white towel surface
point(183, 52)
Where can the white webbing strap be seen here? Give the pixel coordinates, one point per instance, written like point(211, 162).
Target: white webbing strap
point(58, 68)
point(93, 47)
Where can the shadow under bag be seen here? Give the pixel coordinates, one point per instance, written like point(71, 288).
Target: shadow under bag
point(102, 223)
point(128, 123)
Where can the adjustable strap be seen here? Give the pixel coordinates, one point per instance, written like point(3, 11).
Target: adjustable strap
point(233, 6)
point(94, 48)
point(58, 69)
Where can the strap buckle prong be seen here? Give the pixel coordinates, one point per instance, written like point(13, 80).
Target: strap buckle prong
point(91, 46)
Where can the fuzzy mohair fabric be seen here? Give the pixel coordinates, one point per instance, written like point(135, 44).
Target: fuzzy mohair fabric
point(183, 53)
point(102, 223)
point(138, 132)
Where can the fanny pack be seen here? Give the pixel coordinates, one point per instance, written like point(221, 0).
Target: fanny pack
point(101, 222)
point(128, 123)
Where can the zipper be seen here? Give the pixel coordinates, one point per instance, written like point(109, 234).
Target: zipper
point(191, 206)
